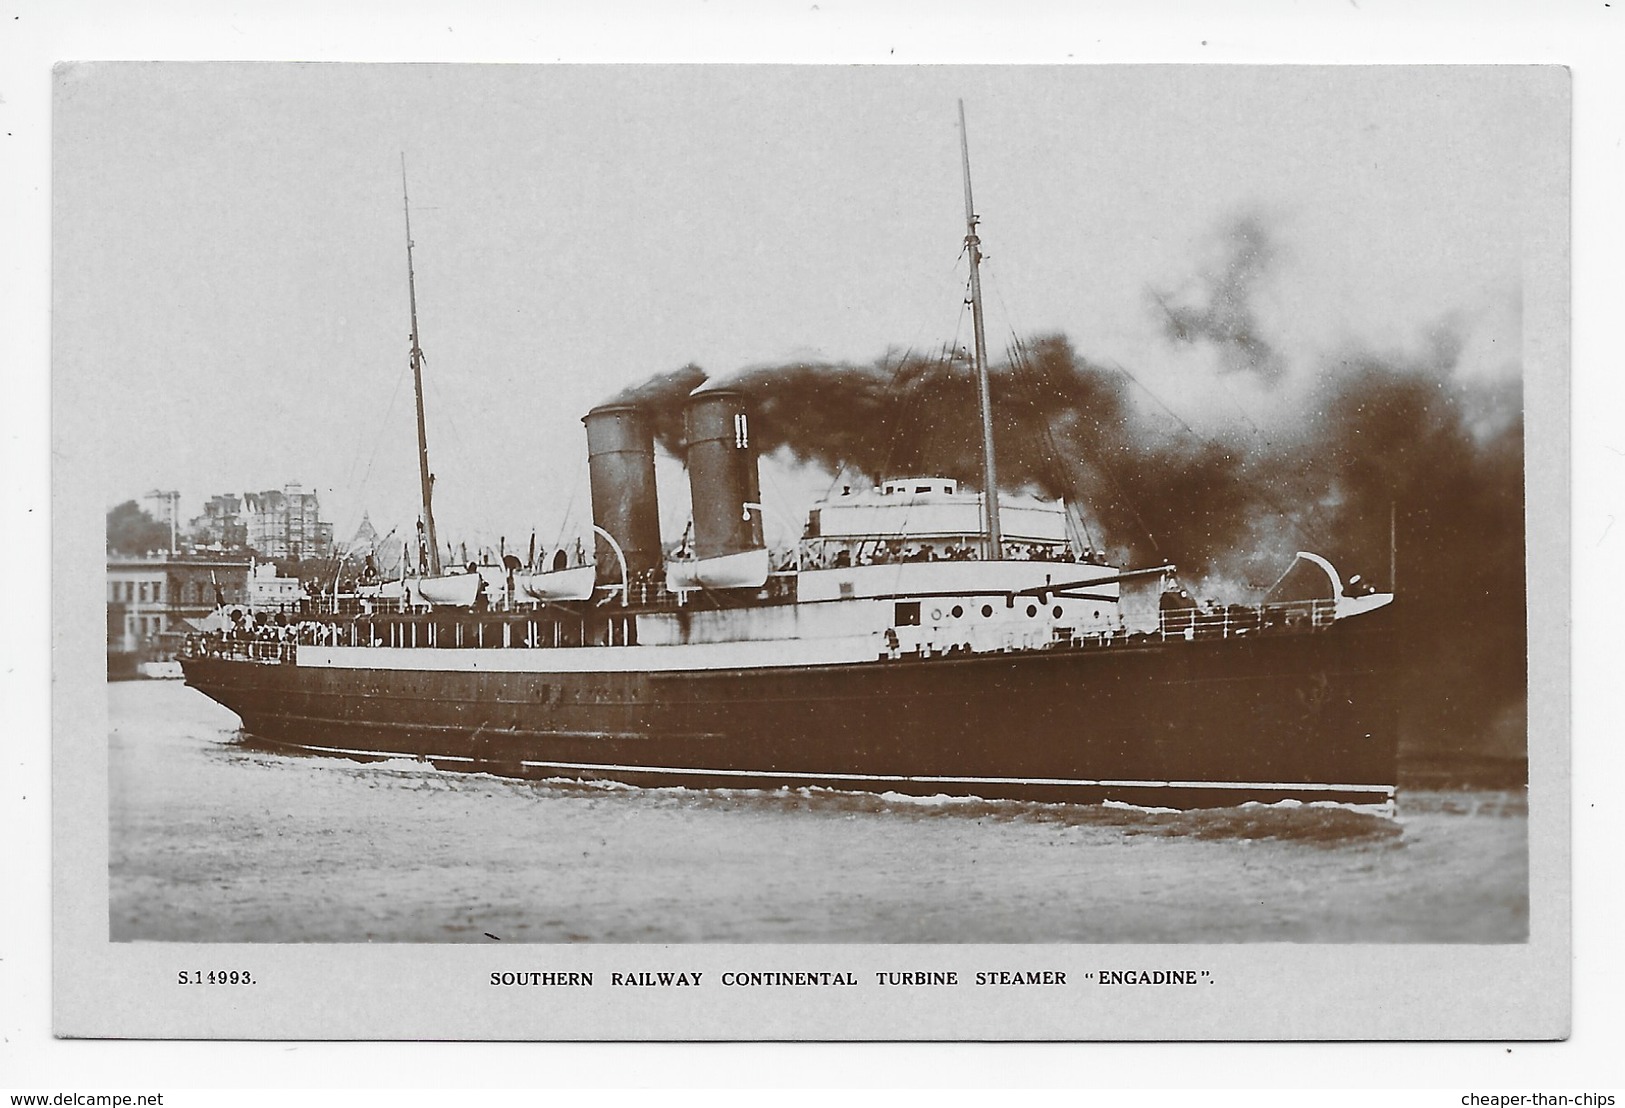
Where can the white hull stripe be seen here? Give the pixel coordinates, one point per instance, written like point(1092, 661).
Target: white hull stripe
point(929, 780)
point(1268, 786)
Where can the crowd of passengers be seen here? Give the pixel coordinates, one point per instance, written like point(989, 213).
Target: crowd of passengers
point(892, 552)
point(264, 627)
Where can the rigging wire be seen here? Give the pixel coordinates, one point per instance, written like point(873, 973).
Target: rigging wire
point(1020, 362)
point(915, 405)
point(570, 505)
point(377, 443)
point(844, 464)
point(1306, 496)
point(1019, 359)
point(1303, 527)
point(906, 412)
point(911, 406)
point(1120, 493)
point(463, 455)
point(943, 366)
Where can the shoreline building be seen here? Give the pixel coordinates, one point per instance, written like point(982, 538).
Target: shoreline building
point(286, 523)
point(154, 602)
point(269, 592)
point(221, 525)
point(164, 506)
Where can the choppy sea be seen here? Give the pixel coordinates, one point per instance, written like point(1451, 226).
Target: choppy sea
point(212, 840)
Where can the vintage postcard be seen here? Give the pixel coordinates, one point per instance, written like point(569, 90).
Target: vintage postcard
point(789, 552)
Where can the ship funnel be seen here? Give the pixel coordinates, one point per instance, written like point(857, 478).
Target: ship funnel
point(621, 468)
point(722, 474)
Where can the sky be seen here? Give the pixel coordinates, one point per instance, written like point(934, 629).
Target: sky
point(230, 260)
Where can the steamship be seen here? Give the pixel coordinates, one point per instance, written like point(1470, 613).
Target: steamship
point(924, 639)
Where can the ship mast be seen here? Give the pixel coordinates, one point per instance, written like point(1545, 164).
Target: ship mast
point(973, 247)
point(425, 478)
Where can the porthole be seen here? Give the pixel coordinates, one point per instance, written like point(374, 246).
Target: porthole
point(958, 611)
point(1057, 610)
point(1097, 613)
point(936, 614)
point(987, 611)
point(1032, 610)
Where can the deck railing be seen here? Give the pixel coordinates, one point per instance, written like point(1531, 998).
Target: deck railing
point(1173, 625)
point(1236, 620)
point(244, 650)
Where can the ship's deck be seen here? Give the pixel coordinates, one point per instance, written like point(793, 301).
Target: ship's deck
point(562, 627)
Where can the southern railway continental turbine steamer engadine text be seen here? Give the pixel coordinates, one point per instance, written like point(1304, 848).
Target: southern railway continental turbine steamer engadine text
point(921, 639)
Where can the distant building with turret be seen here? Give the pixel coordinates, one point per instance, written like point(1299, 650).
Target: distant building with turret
point(286, 523)
point(385, 552)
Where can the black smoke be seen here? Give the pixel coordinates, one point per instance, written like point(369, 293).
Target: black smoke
point(1064, 427)
point(1374, 459)
point(1443, 453)
point(1217, 305)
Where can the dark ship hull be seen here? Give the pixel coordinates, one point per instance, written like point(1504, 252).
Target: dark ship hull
point(1306, 715)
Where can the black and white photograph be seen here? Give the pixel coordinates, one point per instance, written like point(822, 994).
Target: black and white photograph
point(770, 551)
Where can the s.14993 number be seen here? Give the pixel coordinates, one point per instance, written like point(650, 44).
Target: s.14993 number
point(214, 977)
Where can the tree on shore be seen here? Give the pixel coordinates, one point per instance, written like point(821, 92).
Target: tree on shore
point(130, 530)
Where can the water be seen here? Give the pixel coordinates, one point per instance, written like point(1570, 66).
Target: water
point(213, 841)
